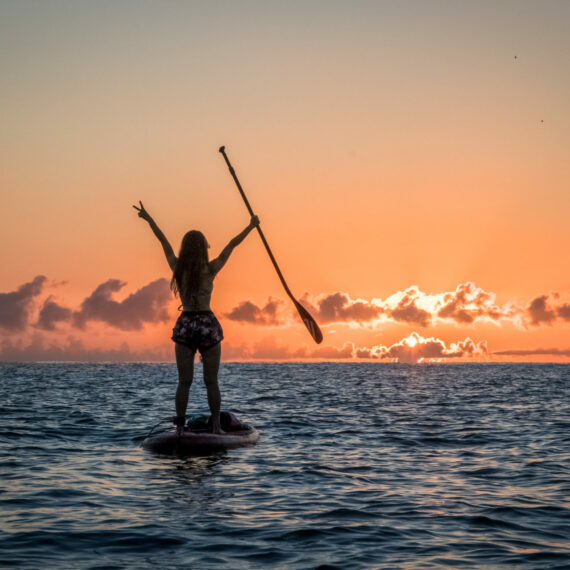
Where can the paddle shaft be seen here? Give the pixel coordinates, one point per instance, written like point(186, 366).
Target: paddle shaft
point(307, 319)
point(233, 173)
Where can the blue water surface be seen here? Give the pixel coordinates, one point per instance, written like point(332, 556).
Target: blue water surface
point(358, 466)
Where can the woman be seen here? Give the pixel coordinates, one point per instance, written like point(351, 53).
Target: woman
point(197, 327)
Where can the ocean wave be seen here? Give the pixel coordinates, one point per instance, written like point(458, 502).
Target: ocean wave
point(357, 466)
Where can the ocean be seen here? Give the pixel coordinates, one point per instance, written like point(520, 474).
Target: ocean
point(358, 466)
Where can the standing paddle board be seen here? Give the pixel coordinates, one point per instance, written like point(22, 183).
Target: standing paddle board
point(197, 438)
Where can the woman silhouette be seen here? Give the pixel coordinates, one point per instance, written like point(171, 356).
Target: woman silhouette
point(197, 327)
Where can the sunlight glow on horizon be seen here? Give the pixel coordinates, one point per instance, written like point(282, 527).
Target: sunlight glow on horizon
point(411, 341)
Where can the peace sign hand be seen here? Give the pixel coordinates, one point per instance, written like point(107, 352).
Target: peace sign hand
point(142, 212)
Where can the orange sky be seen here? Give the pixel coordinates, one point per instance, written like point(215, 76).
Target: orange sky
point(386, 146)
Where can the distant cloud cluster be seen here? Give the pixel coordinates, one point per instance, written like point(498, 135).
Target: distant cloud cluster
point(547, 309)
point(51, 313)
point(270, 349)
point(73, 350)
point(533, 352)
point(32, 309)
point(411, 349)
point(416, 348)
point(339, 307)
point(467, 305)
point(147, 305)
point(266, 349)
point(15, 307)
point(248, 312)
point(403, 307)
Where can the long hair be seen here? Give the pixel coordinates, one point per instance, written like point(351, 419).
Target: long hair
point(192, 259)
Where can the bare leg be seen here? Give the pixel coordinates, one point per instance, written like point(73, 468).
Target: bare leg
point(185, 363)
point(211, 361)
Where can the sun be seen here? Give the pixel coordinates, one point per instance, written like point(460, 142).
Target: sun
point(412, 341)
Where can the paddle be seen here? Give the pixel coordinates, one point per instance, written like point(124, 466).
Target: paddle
point(310, 323)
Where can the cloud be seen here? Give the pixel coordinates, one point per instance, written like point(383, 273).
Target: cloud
point(416, 348)
point(465, 306)
point(365, 352)
point(469, 348)
point(266, 349)
point(539, 311)
point(563, 311)
point(231, 352)
point(412, 349)
point(15, 306)
point(52, 313)
point(269, 349)
point(533, 352)
point(73, 350)
point(147, 305)
point(247, 312)
point(333, 352)
point(546, 309)
point(339, 307)
point(469, 302)
point(407, 311)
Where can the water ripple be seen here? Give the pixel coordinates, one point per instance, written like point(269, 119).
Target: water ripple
point(358, 466)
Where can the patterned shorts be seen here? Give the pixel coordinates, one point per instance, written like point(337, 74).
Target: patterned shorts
point(198, 330)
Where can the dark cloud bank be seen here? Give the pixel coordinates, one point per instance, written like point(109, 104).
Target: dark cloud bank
point(15, 306)
point(545, 309)
point(147, 305)
point(73, 350)
point(248, 312)
point(51, 313)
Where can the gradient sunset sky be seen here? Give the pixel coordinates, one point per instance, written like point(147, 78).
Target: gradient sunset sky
point(409, 161)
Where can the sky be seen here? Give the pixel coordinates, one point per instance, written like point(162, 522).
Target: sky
point(409, 162)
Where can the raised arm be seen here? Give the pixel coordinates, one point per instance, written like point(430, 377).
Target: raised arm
point(219, 262)
point(168, 251)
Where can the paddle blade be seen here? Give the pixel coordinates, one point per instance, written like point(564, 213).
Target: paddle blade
point(310, 323)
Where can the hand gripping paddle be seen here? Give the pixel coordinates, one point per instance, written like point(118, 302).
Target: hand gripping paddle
point(310, 323)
